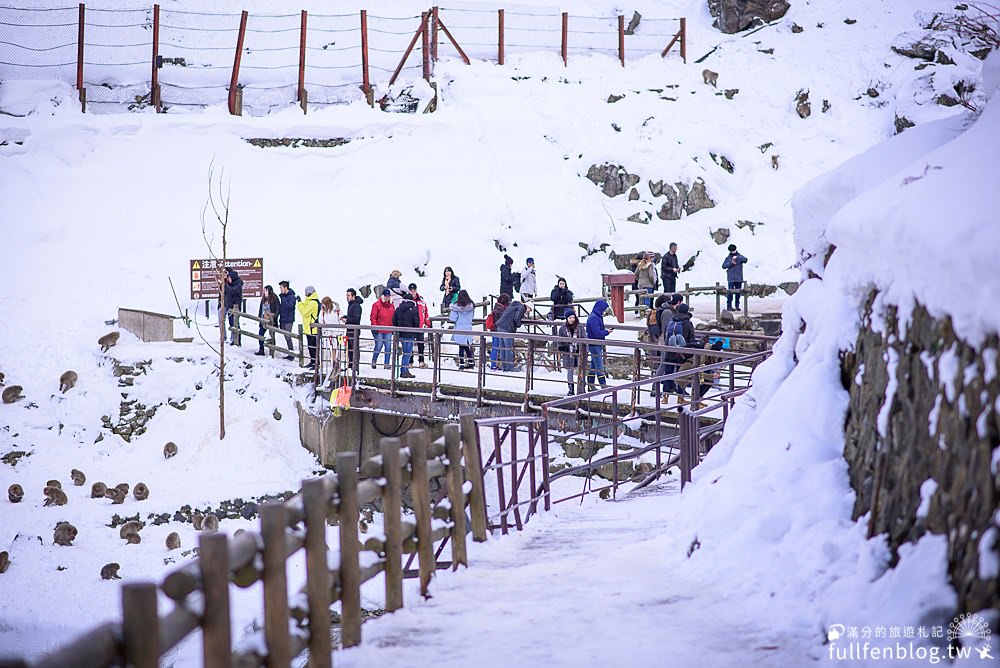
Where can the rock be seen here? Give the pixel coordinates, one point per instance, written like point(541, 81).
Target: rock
point(249, 511)
point(946, 100)
point(276, 415)
point(655, 188)
point(721, 235)
point(771, 327)
point(633, 24)
point(727, 318)
point(614, 98)
point(789, 287)
point(796, 28)
point(723, 161)
point(698, 199)
point(922, 44)
point(613, 179)
point(902, 123)
point(749, 224)
point(633, 195)
point(802, 106)
point(826, 106)
point(850, 22)
point(626, 470)
point(732, 16)
point(730, 92)
point(639, 217)
point(674, 207)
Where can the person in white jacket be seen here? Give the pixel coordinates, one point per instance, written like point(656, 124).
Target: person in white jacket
point(529, 286)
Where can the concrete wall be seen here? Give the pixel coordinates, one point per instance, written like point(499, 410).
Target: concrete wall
point(146, 325)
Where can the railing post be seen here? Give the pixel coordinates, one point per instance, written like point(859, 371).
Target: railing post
point(302, 347)
point(234, 81)
point(316, 504)
point(481, 371)
point(392, 508)
point(456, 496)
point(614, 441)
point(565, 40)
point(79, 59)
point(501, 493)
point(684, 40)
point(394, 359)
point(528, 365)
point(434, 34)
point(718, 301)
point(302, 63)
point(425, 46)
point(474, 474)
point(436, 361)
point(545, 459)
point(273, 522)
point(366, 86)
point(513, 477)
point(621, 39)
point(420, 489)
point(140, 625)
point(154, 86)
point(350, 569)
point(213, 559)
point(500, 39)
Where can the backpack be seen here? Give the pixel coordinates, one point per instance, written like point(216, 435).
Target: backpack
point(516, 276)
point(491, 324)
point(674, 335)
point(653, 325)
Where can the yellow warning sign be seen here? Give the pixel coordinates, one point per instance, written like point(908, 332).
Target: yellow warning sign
point(256, 264)
point(196, 265)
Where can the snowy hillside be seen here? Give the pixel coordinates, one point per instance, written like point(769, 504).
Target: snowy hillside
point(101, 210)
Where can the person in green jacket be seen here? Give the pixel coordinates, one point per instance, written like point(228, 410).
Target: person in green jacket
point(309, 310)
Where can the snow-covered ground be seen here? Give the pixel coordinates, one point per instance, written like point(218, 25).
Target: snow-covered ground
point(100, 210)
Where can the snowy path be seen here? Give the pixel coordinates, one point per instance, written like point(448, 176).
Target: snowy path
point(583, 586)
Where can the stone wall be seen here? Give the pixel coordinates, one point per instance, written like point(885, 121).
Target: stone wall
point(942, 424)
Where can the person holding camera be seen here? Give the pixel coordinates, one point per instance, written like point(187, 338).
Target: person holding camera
point(570, 349)
point(733, 264)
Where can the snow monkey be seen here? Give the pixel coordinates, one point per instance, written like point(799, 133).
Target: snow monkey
point(123, 488)
point(4, 561)
point(110, 572)
point(11, 394)
point(196, 521)
point(140, 492)
point(130, 532)
point(54, 496)
point(64, 534)
point(15, 493)
point(210, 524)
point(169, 450)
point(774, 162)
point(78, 478)
point(173, 541)
point(116, 495)
point(2, 377)
point(710, 77)
point(108, 340)
point(54, 483)
point(98, 490)
point(67, 381)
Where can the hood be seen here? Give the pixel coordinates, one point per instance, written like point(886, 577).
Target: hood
point(232, 273)
point(358, 300)
point(601, 307)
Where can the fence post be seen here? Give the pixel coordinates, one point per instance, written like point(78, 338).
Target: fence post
point(272, 523)
point(420, 489)
point(718, 301)
point(425, 51)
point(302, 347)
point(565, 30)
point(140, 625)
point(456, 495)
point(315, 503)
point(79, 60)
point(350, 569)
point(392, 508)
point(621, 39)
point(213, 558)
point(234, 81)
point(434, 34)
point(500, 40)
point(302, 62)
point(474, 474)
point(154, 88)
point(684, 40)
point(528, 366)
point(687, 295)
point(366, 86)
point(394, 359)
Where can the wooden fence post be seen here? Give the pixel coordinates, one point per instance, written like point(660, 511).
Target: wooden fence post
point(434, 33)
point(140, 625)
point(500, 40)
point(213, 558)
point(474, 474)
point(684, 39)
point(350, 569)
point(456, 496)
point(316, 503)
point(565, 40)
point(273, 520)
point(302, 62)
point(154, 86)
point(79, 59)
point(235, 79)
point(420, 489)
point(392, 508)
point(621, 39)
point(366, 86)
point(425, 46)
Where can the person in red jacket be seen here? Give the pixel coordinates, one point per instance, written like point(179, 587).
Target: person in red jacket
point(425, 321)
point(381, 315)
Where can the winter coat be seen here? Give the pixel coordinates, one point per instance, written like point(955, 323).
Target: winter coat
point(309, 310)
point(396, 288)
point(331, 318)
point(668, 264)
point(646, 276)
point(733, 264)
point(570, 356)
point(462, 317)
point(425, 316)
point(687, 327)
point(381, 315)
point(234, 290)
point(498, 310)
point(286, 309)
point(595, 321)
point(451, 290)
point(407, 315)
point(511, 317)
point(354, 311)
point(268, 309)
point(663, 315)
point(561, 300)
point(506, 280)
point(529, 283)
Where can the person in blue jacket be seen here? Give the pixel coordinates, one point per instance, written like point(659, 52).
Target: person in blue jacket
point(596, 331)
point(286, 313)
point(733, 264)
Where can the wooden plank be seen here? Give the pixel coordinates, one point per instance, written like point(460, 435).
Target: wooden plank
point(474, 474)
point(140, 625)
point(316, 502)
point(420, 489)
point(456, 497)
point(213, 557)
point(350, 572)
point(272, 524)
point(98, 647)
point(392, 508)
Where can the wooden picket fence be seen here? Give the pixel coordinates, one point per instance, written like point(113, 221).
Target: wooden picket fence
point(201, 588)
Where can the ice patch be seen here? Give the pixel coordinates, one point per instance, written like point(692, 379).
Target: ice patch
point(927, 490)
point(882, 421)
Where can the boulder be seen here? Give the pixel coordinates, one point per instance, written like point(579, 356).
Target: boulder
point(613, 179)
point(676, 195)
point(802, 106)
point(771, 327)
point(721, 235)
point(732, 16)
point(922, 44)
point(633, 195)
point(698, 199)
point(633, 24)
point(789, 287)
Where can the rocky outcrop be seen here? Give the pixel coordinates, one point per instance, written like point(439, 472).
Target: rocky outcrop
point(613, 179)
point(922, 459)
point(924, 45)
point(732, 16)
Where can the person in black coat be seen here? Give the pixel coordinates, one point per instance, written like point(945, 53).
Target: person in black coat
point(353, 317)
point(233, 289)
point(268, 310)
point(406, 315)
point(508, 279)
point(562, 300)
point(286, 313)
point(450, 286)
point(669, 268)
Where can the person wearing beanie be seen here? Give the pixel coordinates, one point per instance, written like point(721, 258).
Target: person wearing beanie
point(309, 310)
point(287, 300)
point(529, 285)
point(508, 279)
point(733, 264)
point(425, 322)
point(381, 316)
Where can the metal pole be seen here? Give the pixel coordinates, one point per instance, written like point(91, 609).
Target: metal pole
point(154, 86)
point(302, 61)
point(79, 60)
point(234, 81)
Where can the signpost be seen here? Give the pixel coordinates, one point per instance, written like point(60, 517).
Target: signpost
point(203, 273)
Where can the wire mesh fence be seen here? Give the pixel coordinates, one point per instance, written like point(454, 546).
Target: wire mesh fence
point(168, 59)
